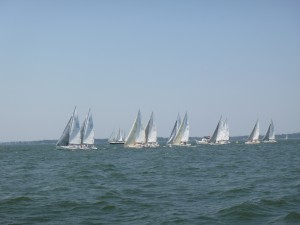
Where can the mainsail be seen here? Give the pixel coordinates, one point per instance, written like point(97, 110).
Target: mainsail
point(182, 135)
point(270, 135)
point(254, 136)
point(87, 130)
point(217, 135)
point(175, 129)
point(151, 131)
point(226, 131)
point(136, 135)
point(64, 139)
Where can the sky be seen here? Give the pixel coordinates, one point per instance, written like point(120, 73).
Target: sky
point(236, 59)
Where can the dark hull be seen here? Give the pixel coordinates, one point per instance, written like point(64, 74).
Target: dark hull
point(116, 143)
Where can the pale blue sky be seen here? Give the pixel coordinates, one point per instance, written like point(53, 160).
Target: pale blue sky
point(239, 59)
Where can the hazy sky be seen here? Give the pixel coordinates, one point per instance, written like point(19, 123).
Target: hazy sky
point(239, 59)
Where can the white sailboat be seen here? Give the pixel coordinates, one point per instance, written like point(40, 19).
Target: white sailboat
point(136, 136)
point(182, 136)
point(151, 133)
point(87, 133)
point(270, 135)
point(254, 136)
point(117, 138)
point(70, 138)
point(221, 133)
point(175, 129)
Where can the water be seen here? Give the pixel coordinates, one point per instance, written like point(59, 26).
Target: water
point(230, 184)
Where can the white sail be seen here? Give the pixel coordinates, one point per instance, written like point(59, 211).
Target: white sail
point(140, 137)
point(217, 133)
point(175, 129)
point(120, 136)
point(136, 135)
point(64, 139)
point(221, 133)
point(254, 136)
point(151, 132)
point(182, 136)
point(270, 135)
point(87, 130)
point(74, 138)
point(226, 131)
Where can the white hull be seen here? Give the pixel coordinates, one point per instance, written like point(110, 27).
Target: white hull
point(220, 143)
point(151, 145)
point(270, 141)
point(181, 145)
point(76, 147)
point(136, 145)
point(252, 142)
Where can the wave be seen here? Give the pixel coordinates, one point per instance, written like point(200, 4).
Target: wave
point(15, 200)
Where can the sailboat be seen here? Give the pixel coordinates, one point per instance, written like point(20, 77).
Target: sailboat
point(221, 134)
point(270, 135)
point(87, 133)
point(136, 136)
point(254, 136)
point(175, 129)
point(182, 135)
point(151, 133)
point(70, 138)
point(117, 138)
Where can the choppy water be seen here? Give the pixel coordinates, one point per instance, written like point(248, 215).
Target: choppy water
point(230, 184)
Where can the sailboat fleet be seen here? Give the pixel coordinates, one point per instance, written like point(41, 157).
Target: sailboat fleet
point(75, 136)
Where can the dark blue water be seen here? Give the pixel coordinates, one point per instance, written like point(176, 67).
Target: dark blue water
point(230, 184)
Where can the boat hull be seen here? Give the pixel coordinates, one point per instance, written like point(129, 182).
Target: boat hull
point(117, 142)
point(252, 142)
point(270, 141)
point(75, 147)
